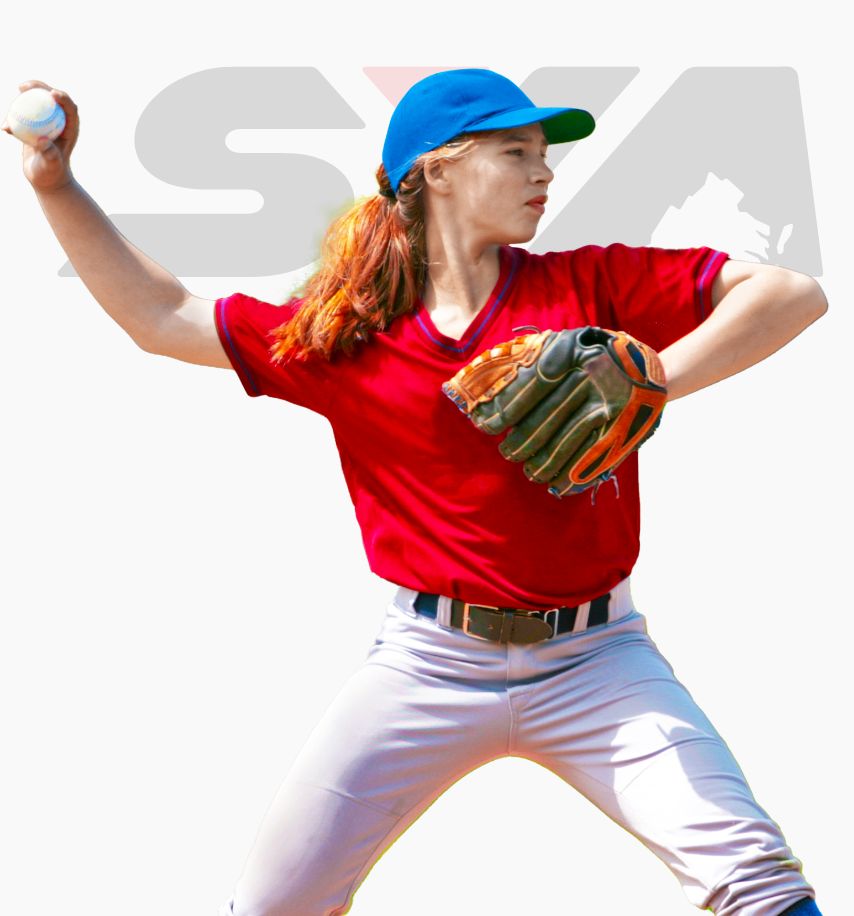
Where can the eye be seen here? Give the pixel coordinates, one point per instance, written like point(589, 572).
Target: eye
point(513, 152)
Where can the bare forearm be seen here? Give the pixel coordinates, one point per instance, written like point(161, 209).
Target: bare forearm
point(131, 288)
point(755, 319)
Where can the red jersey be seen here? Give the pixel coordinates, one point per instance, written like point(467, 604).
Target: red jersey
point(439, 508)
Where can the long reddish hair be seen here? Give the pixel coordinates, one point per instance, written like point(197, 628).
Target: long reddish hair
point(373, 267)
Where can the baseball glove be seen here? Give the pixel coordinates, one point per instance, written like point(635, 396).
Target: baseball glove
point(576, 402)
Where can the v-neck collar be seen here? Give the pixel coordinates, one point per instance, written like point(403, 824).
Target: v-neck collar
point(508, 259)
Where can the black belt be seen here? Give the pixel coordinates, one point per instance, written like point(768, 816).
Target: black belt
point(510, 624)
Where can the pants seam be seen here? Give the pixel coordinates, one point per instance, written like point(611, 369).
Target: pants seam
point(512, 725)
point(656, 757)
point(370, 861)
point(359, 801)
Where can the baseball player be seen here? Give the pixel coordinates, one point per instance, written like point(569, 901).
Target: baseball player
point(512, 630)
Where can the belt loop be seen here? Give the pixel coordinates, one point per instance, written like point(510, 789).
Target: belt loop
point(405, 600)
point(581, 617)
point(443, 612)
point(506, 627)
point(622, 602)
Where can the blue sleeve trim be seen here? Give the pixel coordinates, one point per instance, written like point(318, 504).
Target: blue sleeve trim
point(704, 285)
point(240, 366)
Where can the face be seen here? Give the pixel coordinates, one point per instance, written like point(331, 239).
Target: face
point(497, 192)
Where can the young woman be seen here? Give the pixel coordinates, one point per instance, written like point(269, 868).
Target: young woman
point(415, 281)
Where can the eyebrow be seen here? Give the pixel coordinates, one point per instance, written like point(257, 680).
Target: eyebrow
point(515, 138)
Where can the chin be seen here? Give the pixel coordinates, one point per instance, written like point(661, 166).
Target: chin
point(517, 237)
point(521, 237)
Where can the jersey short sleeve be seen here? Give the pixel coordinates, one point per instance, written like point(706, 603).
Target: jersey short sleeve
point(244, 325)
point(657, 295)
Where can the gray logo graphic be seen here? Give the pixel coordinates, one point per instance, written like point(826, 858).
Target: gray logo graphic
point(720, 160)
point(595, 88)
point(299, 192)
point(719, 138)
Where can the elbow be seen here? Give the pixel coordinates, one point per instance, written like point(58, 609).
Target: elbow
point(808, 296)
point(817, 300)
point(822, 299)
point(146, 344)
point(801, 290)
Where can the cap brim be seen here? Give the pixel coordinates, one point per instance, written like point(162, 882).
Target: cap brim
point(559, 124)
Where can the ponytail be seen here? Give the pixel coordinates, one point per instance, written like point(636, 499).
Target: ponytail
point(373, 268)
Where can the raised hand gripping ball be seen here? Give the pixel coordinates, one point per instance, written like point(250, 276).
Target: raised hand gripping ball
point(34, 114)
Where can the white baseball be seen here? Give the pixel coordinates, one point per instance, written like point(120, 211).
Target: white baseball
point(35, 113)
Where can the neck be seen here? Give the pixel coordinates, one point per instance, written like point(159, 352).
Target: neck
point(459, 275)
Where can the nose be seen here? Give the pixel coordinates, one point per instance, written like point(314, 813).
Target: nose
point(544, 173)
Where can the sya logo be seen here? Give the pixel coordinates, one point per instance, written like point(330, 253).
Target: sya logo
point(719, 159)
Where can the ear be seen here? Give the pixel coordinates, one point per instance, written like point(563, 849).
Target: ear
point(437, 176)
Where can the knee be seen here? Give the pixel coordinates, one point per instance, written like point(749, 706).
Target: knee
point(776, 885)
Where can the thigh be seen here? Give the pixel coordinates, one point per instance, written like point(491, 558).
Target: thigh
point(623, 730)
point(389, 744)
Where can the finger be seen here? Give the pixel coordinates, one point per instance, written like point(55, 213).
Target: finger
point(565, 481)
point(66, 140)
point(531, 384)
point(531, 433)
point(64, 100)
point(32, 84)
point(548, 462)
point(47, 148)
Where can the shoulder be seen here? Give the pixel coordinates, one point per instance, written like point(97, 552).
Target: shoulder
point(251, 304)
point(546, 262)
point(242, 314)
point(580, 268)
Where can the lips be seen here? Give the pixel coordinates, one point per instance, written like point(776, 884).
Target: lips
point(538, 203)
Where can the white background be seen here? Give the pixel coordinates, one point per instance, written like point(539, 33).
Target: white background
point(184, 589)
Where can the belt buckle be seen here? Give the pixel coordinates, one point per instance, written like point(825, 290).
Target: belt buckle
point(545, 631)
point(466, 606)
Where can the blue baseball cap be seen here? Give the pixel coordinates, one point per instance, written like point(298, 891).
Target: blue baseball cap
point(441, 106)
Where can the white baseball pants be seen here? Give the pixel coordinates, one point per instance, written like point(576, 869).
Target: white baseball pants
point(601, 708)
